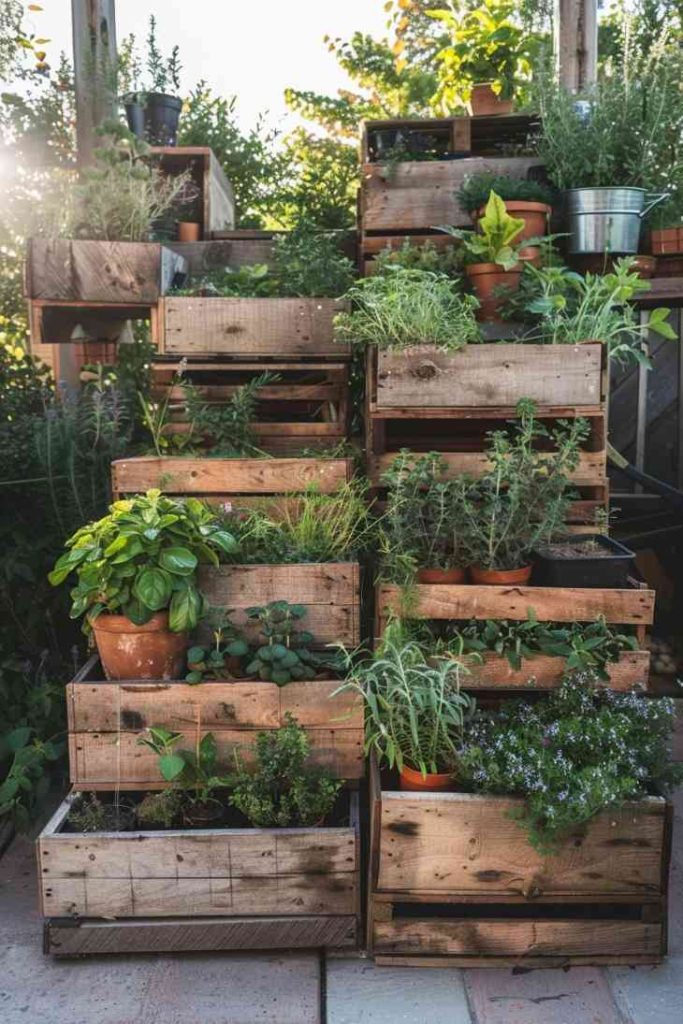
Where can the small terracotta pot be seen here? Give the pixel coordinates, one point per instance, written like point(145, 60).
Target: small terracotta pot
point(128, 651)
point(500, 577)
point(414, 781)
point(486, 278)
point(485, 102)
point(189, 231)
point(534, 215)
point(440, 575)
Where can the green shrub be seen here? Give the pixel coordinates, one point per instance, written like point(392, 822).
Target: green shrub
point(476, 189)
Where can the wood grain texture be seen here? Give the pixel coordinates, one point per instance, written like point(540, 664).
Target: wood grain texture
point(490, 375)
point(65, 938)
point(98, 271)
point(248, 328)
point(544, 672)
point(330, 591)
point(202, 476)
point(551, 604)
point(522, 938)
point(591, 470)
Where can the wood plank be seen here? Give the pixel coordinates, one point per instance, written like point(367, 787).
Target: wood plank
point(551, 604)
point(462, 842)
point(229, 476)
point(591, 470)
point(545, 672)
point(251, 327)
point(100, 271)
point(330, 592)
point(521, 938)
point(489, 375)
point(66, 938)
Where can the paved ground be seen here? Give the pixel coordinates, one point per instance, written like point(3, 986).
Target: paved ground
point(299, 989)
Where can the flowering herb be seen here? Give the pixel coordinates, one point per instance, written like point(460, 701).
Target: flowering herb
point(571, 755)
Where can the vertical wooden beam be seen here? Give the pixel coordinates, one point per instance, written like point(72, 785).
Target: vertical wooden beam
point(94, 41)
point(576, 42)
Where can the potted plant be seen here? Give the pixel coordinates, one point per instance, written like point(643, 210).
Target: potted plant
point(529, 201)
point(489, 54)
point(282, 791)
point(136, 572)
point(586, 560)
point(284, 656)
point(493, 256)
point(423, 526)
point(194, 773)
point(151, 111)
point(415, 711)
point(223, 659)
point(522, 500)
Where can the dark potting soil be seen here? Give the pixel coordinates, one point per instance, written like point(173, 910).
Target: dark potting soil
point(577, 549)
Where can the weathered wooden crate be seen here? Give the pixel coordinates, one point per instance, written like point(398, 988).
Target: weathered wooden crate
point(214, 889)
point(453, 881)
point(632, 607)
point(132, 273)
point(242, 482)
point(250, 328)
point(216, 199)
point(54, 323)
point(305, 406)
point(477, 136)
point(107, 719)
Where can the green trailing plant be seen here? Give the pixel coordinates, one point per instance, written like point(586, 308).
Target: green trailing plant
point(522, 499)
point(476, 189)
point(229, 645)
point(284, 656)
point(195, 773)
point(424, 523)
point(572, 755)
point(570, 308)
point(143, 558)
point(494, 241)
point(283, 791)
point(26, 780)
point(415, 711)
point(401, 308)
point(427, 257)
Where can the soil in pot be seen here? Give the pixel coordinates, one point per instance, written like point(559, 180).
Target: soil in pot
point(128, 651)
point(492, 286)
point(534, 215)
point(442, 576)
point(589, 561)
point(501, 577)
point(413, 781)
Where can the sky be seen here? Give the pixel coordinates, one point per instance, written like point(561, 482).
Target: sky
point(254, 49)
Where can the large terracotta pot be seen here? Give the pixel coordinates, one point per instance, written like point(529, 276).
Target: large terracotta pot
point(413, 781)
point(501, 577)
point(486, 278)
point(128, 651)
point(485, 102)
point(534, 215)
point(441, 576)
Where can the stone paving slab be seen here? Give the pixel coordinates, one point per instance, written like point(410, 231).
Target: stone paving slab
point(358, 992)
point(580, 995)
point(650, 995)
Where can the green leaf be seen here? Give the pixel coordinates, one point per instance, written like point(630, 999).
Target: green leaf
point(195, 654)
point(194, 677)
point(153, 588)
point(184, 610)
point(171, 766)
point(18, 738)
point(180, 561)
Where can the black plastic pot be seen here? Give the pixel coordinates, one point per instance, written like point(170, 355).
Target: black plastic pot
point(611, 570)
point(162, 113)
point(135, 116)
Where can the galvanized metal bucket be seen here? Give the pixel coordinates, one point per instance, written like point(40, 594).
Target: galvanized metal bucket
point(608, 219)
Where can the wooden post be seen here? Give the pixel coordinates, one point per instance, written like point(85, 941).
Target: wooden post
point(576, 42)
point(94, 40)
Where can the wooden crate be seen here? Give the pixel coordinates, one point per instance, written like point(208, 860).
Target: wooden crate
point(217, 202)
point(477, 136)
point(131, 273)
point(306, 406)
point(243, 482)
point(250, 328)
point(54, 323)
point(180, 890)
point(107, 719)
point(230, 250)
point(454, 881)
point(632, 607)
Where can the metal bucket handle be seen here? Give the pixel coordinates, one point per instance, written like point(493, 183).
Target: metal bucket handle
point(652, 199)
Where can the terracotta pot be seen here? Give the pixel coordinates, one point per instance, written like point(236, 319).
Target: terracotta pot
point(534, 215)
point(414, 781)
point(486, 278)
point(485, 102)
point(189, 231)
point(646, 266)
point(667, 241)
point(128, 651)
point(440, 575)
point(500, 577)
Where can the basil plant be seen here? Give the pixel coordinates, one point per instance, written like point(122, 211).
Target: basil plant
point(142, 558)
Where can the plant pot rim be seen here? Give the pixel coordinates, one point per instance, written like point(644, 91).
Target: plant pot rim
point(109, 622)
point(477, 269)
point(409, 770)
point(606, 188)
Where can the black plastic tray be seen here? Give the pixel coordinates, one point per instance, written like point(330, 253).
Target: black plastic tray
point(611, 571)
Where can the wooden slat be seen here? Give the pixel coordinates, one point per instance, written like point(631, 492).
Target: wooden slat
point(330, 591)
point(590, 471)
point(202, 476)
point(545, 672)
point(199, 934)
point(251, 327)
point(551, 604)
point(462, 842)
point(490, 375)
point(521, 938)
